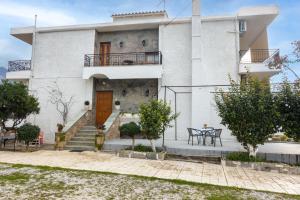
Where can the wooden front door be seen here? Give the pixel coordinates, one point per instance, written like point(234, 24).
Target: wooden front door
point(103, 106)
point(104, 53)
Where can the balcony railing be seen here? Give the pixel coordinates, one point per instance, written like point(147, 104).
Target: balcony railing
point(258, 55)
point(117, 59)
point(19, 65)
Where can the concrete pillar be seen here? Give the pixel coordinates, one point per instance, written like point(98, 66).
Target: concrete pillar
point(196, 64)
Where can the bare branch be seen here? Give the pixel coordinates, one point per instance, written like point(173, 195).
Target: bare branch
point(57, 98)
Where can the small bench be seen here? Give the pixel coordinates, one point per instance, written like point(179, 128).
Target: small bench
point(4, 139)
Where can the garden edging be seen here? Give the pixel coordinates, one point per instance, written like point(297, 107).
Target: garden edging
point(264, 166)
point(142, 155)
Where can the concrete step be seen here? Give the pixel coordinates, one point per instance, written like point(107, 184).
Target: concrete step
point(81, 143)
point(78, 138)
point(79, 148)
point(88, 129)
point(81, 134)
point(87, 132)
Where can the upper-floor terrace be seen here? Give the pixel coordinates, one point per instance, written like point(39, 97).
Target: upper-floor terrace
point(256, 62)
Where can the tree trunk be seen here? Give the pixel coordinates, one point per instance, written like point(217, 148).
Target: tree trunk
point(133, 144)
point(152, 142)
point(252, 150)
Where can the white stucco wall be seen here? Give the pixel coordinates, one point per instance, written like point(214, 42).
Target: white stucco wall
point(175, 45)
point(219, 60)
point(59, 57)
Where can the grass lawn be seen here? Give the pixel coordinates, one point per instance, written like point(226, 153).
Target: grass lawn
point(28, 182)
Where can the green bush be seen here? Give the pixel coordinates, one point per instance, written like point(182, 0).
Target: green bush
point(28, 133)
point(140, 148)
point(243, 157)
point(131, 129)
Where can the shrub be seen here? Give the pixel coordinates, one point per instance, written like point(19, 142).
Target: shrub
point(249, 111)
point(28, 133)
point(131, 129)
point(243, 157)
point(140, 148)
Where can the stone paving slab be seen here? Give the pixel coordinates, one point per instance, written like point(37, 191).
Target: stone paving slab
point(195, 172)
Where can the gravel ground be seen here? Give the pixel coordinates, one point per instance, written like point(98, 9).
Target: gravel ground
point(25, 182)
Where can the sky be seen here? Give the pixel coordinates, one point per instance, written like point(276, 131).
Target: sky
point(16, 13)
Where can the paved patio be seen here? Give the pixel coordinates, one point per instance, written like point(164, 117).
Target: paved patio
point(201, 173)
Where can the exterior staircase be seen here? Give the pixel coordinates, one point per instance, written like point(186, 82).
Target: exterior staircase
point(84, 140)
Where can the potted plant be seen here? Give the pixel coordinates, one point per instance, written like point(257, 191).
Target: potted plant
point(86, 105)
point(100, 137)
point(117, 105)
point(60, 137)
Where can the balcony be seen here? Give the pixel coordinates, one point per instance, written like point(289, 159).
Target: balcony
point(118, 59)
point(133, 65)
point(19, 70)
point(256, 61)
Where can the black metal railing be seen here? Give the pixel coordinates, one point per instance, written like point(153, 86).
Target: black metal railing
point(258, 55)
point(117, 59)
point(19, 65)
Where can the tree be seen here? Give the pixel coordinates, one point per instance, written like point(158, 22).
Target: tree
point(288, 104)
point(62, 104)
point(28, 133)
point(286, 61)
point(249, 111)
point(131, 129)
point(16, 104)
point(155, 117)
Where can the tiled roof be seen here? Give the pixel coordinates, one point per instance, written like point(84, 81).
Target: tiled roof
point(139, 13)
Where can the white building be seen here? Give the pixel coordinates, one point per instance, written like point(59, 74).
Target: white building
point(133, 57)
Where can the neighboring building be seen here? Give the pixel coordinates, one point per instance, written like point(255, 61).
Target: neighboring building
point(133, 57)
point(2, 73)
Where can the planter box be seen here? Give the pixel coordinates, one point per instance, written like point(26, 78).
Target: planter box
point(264, 166)
point(142, 155)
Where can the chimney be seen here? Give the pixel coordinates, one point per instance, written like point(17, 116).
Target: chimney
point(196, 7)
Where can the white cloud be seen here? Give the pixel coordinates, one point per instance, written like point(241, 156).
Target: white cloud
point(45, 16)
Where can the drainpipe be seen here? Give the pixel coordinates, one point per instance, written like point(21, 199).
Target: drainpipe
point(196, 62)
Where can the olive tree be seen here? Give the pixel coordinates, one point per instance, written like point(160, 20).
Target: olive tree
point(155, 117)
point(288, 105)
point(249, 112)
point(16, 104)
